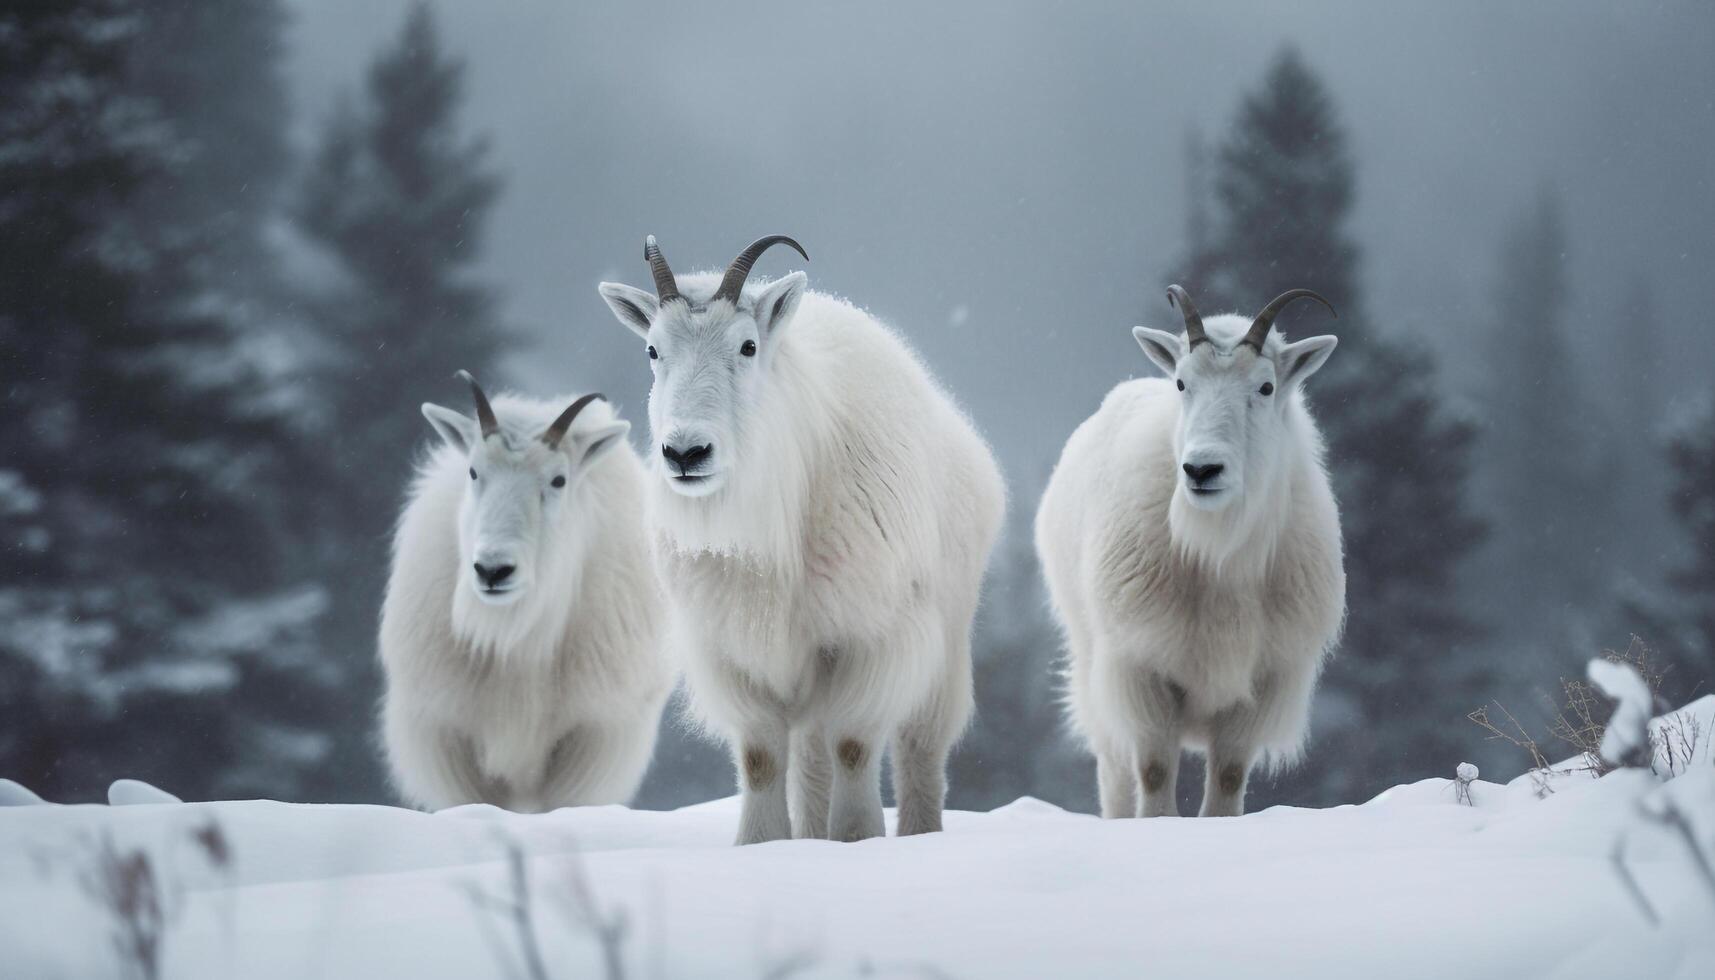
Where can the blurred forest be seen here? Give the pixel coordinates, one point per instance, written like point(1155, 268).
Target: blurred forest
point(214, 338)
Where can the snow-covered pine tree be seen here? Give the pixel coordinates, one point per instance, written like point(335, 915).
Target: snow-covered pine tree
point(1692, 455)
point(1631, 395)
point(1545, 499)
point(1198, 267)
point(402, 200)
point(1636, 410)
point(215, 68)
point(141, 474)
point(1627, 422)
point(399, 197)
point(1391, 701)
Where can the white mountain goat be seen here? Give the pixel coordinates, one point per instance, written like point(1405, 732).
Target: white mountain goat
point(823, 514)
point(520, 632)
point(1192, 550)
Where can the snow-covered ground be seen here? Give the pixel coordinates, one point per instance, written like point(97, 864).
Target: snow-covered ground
point(1412, 884)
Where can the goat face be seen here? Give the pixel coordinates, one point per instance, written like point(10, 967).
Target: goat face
point(711, 361)
point(516, 498)
point(1233, 400)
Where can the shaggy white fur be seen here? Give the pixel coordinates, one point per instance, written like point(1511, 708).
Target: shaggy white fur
point(823, 595)
point(1192, 623)
point(551, 699)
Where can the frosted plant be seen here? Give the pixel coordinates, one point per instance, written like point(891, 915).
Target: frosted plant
point(1463, 777)
point(1626, 739)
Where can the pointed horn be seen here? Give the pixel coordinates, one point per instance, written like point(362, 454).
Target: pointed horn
point(736, 274)
point(1265, 320)
point(563, 424)
point(1194, 335)
point(484, 412)
point(666, 287)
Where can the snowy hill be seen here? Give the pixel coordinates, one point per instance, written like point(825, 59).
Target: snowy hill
point(1412, 884)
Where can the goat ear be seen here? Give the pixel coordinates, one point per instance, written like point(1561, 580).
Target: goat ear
point(587, 447)
point(456, 430)
point(1164, 348)
point(1298, 361)
point(776, 304)
point(634, 307)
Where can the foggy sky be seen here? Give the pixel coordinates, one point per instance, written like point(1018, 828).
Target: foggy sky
point(1004, 182)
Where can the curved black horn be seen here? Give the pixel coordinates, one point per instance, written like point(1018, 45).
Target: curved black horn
point(736, 274)
point(484, 412)
point(666, 287)
point(563, 424)
point(1194, 335)
point(1265, 320)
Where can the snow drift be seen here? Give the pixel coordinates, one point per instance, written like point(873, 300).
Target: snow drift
point(1413, 883)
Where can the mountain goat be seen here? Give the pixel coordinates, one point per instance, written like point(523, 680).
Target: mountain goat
point(1191, 546)
point(823, 514)
point(519, 634)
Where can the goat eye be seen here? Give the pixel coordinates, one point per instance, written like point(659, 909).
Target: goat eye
point(557, 482)
point(1267, 387)
point(1180, 383)
point(652, 355)
point(749, 348)
point(473, 472)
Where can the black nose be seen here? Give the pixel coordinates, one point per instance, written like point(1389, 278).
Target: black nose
point(686, 459)
point(493, 575)
point(1204, 473)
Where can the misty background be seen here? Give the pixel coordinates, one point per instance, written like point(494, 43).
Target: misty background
point(240, 243)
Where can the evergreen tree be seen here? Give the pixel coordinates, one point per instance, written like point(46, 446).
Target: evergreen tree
point(1673, 611)
point(1197, 268)
point(1634, 412)
point(1392, 700)
point(1536, 477)
point(1639, 401)
point(1690, 644)
point(135, 487)
point(399, 198)
point(1630, 518)
point(214, 68)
